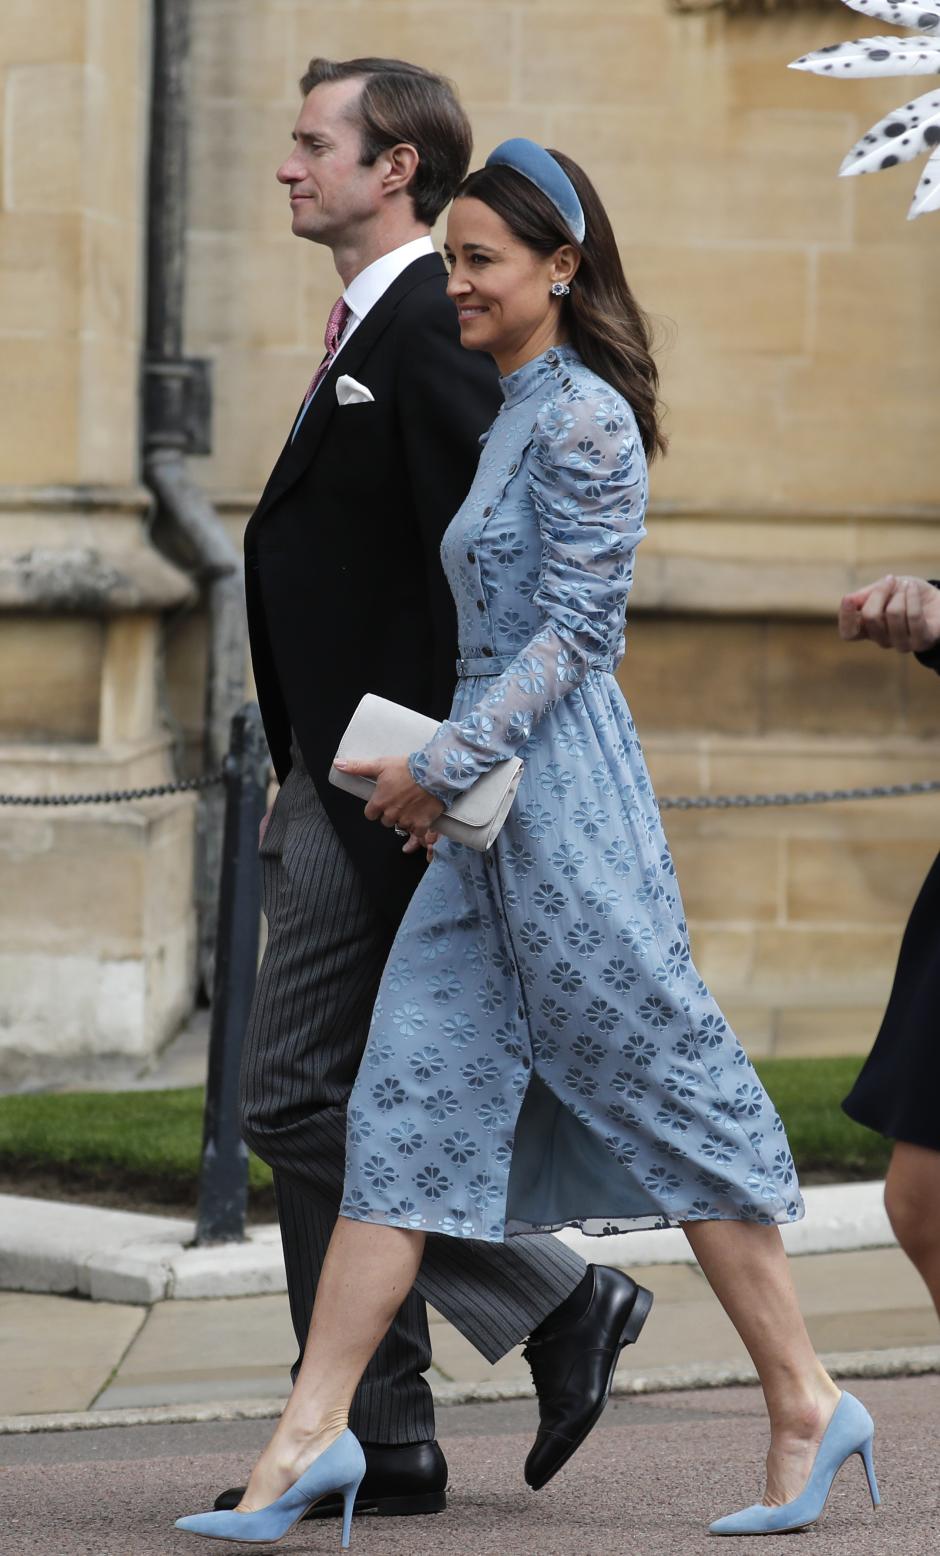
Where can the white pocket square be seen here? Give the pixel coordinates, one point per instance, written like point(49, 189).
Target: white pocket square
point(349, 392)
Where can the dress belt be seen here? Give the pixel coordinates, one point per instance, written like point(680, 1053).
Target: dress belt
point(484, 664)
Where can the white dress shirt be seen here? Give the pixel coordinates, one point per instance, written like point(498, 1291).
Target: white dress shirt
point(365, 289)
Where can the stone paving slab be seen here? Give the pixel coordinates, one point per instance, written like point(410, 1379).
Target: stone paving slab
point(191, 1351)
point(57, 1354)
point(855, 1331)
point(865, 1281)
point(214, 1335)
point(236, 1384)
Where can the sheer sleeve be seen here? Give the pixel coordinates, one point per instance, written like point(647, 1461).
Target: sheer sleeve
point(587, 482)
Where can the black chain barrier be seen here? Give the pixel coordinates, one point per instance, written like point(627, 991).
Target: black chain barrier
point(116, 796)
point(886, 791)
point(889, 791)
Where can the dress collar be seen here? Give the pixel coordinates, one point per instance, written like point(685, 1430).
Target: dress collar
point(531, 375)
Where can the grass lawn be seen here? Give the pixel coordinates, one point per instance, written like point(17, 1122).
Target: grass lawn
point(127, 1148)
point(143, 1148)
point(824, 1141)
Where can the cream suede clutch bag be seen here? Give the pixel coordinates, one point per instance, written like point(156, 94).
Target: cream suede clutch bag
point(382, 728)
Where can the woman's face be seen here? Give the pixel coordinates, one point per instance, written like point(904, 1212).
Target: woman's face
point(501, 287)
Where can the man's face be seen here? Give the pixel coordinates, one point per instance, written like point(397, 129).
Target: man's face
point(331, 194)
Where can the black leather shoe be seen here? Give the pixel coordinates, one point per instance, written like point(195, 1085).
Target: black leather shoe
point(573, 1367)
point(400, 1479)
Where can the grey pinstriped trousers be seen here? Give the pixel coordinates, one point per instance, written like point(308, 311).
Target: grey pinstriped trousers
point(308, 1026)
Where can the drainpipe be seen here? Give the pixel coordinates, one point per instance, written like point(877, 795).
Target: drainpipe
point(176, 411)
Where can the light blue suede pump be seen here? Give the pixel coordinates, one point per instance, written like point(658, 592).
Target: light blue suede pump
point(340, 1468)
point(851, 1430)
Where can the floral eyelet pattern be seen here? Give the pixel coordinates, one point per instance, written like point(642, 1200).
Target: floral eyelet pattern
point(563, 953)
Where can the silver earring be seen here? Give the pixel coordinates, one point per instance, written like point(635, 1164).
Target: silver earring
point(559, 289)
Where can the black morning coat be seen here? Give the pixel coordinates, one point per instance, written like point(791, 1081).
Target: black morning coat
point(345, 589)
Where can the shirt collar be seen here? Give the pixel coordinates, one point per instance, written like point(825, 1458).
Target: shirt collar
point(364, 291)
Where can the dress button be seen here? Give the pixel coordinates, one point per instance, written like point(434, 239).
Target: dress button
point(487, 653)
point(487, 512)
point(471, 556)
point(480, 605)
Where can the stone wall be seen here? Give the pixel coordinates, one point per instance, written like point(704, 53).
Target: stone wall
point(74, 76)
point(97, 938)
point(800, 367)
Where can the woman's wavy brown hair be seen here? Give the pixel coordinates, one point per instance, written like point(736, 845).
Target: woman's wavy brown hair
point(605, 323)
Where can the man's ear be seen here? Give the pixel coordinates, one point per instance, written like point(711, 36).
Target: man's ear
point(402, 162)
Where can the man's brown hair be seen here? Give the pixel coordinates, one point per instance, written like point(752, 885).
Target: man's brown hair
point(406, 103)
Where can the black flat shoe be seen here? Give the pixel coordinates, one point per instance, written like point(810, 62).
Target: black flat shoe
point(400, 1480)
point(573, 1367)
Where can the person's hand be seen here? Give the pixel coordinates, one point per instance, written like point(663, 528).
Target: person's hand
point(397, 801)
point(427, 843)
point(894, 612)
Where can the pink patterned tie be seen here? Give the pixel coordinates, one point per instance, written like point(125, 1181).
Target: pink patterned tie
point(335, 325)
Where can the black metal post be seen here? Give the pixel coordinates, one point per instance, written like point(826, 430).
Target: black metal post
point(223, 1180)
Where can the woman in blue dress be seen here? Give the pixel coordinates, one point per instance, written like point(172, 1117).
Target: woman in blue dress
point(543, 1052)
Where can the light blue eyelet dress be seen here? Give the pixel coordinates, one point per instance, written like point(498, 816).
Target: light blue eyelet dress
point(543, 1052)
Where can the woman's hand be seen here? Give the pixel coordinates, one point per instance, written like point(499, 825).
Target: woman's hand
point(398, 801)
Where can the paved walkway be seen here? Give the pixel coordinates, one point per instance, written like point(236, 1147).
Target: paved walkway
point(646, 1483)
point(66, 1354)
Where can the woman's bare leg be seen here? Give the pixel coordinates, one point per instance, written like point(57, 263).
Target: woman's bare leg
point(367, 1273)
point(912, 1200)
point(746, 1267)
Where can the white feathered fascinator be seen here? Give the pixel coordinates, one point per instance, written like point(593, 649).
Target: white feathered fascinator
point(915, 127)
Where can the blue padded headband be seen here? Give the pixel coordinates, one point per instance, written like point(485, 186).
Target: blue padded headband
point(540, 168)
